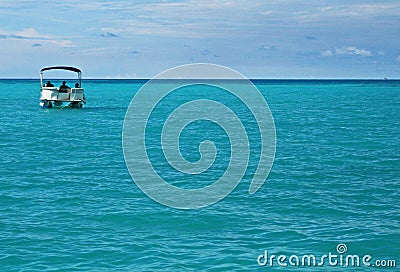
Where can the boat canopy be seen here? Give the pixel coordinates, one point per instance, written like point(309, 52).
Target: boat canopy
point(69, 68)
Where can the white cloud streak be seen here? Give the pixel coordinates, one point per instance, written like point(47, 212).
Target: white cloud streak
point(32, 35)
point(352, 50)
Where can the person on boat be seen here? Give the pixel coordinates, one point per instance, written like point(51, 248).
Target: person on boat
point(48, 84)
point(64, 87)
point(77, 85)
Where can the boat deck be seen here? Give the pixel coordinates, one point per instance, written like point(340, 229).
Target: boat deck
point(64, 95)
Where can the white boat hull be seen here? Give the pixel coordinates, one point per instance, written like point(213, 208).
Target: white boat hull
point(52, 97)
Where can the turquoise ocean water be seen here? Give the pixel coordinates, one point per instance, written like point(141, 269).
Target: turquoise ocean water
point(68, 203)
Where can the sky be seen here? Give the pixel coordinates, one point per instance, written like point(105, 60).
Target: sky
point(259, 39)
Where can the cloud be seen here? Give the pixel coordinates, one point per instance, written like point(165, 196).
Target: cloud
point(201, 51)
point(349, 51)
point(353, 10)
point(265, 47)
point(311, 38)
point(327, 53)
point(63, 43)
point(398, 58)
point(187, 19)
point(354, 51)
point(295, 34)
point(306, 53)
point(4, 36)
point(108, 35)
point(204, 52)
point(32, 35)
point(25, 34)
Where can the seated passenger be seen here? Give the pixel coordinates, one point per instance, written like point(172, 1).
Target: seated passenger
point(77, 85)
point(48, 84)
point(64, 88)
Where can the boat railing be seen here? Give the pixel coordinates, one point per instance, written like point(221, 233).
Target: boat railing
point(55, 93)
point(76, 94)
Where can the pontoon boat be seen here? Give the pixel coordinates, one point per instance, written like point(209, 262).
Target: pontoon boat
point(51, 96)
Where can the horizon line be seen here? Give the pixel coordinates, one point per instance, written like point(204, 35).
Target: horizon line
point(255, 78)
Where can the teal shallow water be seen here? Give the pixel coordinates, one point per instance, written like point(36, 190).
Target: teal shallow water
point(67, 201)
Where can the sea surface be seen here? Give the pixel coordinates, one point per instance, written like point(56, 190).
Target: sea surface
point(68, 202)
